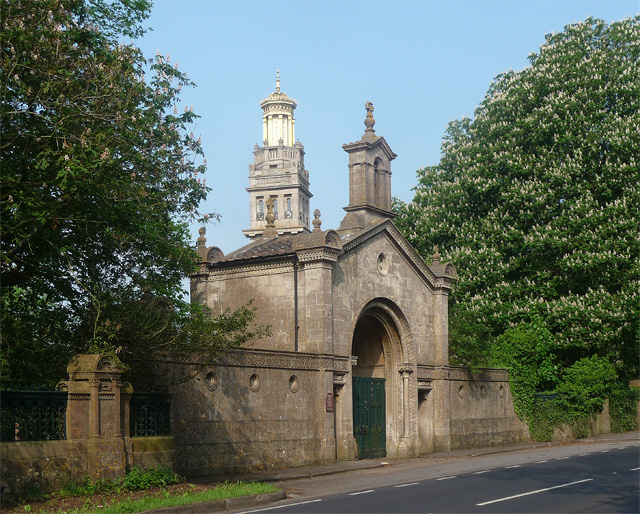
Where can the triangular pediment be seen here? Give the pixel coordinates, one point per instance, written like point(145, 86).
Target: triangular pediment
point(433, 279)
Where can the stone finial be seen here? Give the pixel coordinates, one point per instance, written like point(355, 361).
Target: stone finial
point(277, 81)
point(270, 218)
point(369, 122)
point(202, 242)
point(436, 255)
point(317, 222)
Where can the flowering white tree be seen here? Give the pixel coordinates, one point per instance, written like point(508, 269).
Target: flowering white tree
point(536, 200)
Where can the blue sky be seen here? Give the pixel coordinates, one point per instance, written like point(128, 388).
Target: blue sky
point(421, 63)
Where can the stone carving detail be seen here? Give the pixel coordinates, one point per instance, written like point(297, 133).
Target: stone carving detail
point(424, 385)
point(254, 383)
point(339, 379)
point(211, 381)
point(441, 374)
point(406, 367)
point(383, 265)
point(369, 121)
point(214, 254)
point(333, 239)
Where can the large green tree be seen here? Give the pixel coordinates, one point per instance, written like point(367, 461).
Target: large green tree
point(536, 200)
point(100, 178)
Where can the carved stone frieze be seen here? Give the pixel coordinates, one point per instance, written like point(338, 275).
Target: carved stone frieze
point(441, 373)
point(319, 254)
point(426, 372)
point(250, 271)
point(485, 374)
point(284, 360)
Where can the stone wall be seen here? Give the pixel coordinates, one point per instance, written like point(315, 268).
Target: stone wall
point(98, 445)
point(481, 407)
point(265, 410)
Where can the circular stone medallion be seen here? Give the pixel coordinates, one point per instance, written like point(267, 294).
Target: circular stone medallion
point(383, 265)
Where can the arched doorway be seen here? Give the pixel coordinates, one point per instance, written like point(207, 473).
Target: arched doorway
point(376, 385)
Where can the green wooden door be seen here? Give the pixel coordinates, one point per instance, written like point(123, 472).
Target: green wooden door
point(369, 417)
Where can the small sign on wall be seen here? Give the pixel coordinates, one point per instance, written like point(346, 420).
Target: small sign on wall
point(329, 403)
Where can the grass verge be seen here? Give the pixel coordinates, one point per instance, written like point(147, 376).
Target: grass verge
point(127, 502)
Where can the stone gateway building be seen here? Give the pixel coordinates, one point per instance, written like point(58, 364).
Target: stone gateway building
point(357, 363)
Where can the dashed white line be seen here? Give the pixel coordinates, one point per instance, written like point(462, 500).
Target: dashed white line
point(447, 478)
point(532, 492)
point(481, 472)
point(634, 469)
point(406, 485)
point(516, 466)
point(583, 454)
point(562, 458)
point(604, 451)
point(362, 492)
point(542, 461)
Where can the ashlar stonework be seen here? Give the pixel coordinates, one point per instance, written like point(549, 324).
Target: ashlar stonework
point(357, 363)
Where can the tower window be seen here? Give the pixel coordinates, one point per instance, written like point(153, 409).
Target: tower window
point(260, 211)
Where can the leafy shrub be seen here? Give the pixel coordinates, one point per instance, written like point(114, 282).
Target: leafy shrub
point(585, 386)
point(137, 479)
point(526, 351)
point(623, 404)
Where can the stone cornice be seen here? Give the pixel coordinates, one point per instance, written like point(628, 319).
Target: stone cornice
point(367, 145)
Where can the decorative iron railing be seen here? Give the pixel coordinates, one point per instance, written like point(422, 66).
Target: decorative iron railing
point(31, 413)
point(150, 414)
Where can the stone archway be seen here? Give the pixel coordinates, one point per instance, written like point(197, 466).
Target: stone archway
point(381, 348)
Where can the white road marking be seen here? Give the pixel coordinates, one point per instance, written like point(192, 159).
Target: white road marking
point(562, 458)
point(604, 451)
point(583, 454)
point(480, 472)
point(542, 461)
point(407, 485)
point(634, 469)
point(281, 506)
point(532, 492)
point(447, 478)
point(516, 466)
point(362, 492)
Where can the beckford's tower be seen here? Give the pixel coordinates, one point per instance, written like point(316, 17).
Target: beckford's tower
point(277, 172)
